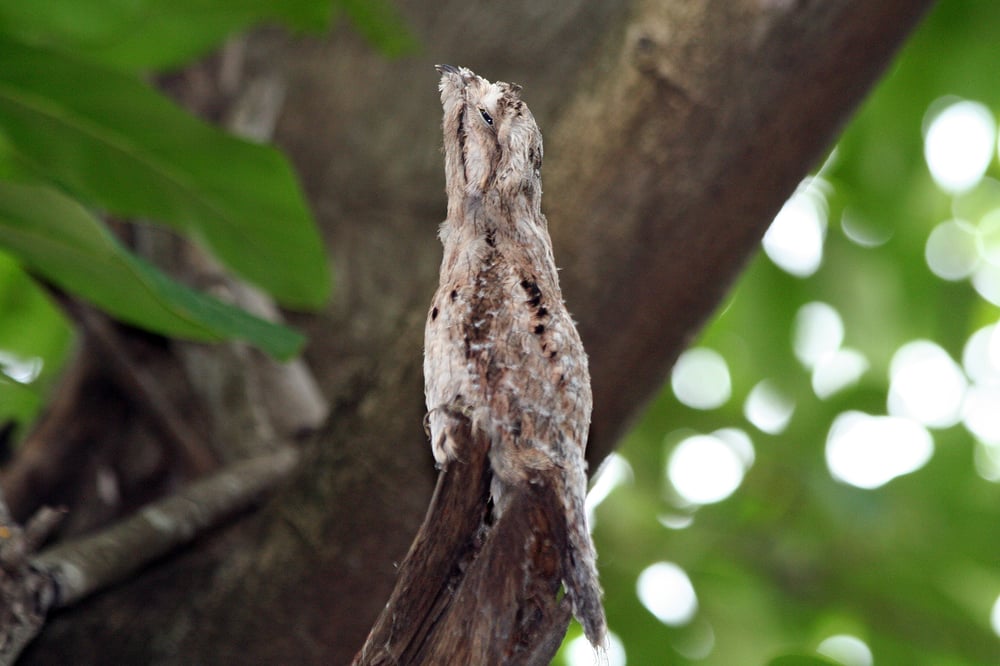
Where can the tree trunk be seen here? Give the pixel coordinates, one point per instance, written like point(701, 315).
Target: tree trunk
point(674, 132)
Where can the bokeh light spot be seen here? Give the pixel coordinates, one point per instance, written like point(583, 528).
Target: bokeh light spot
point(981, 412)
point(995, 617)
point(579, 652)
point(704, 469)
point(862, 232)
point(986, 458)
point(768, 408)
point(981, 355)
point(697, 640)
point(952, 250)
point(837, 371)
point(613, 472)
point(986, 281)
point(676, 521)
point(740, 444)
point(846, 649)
point(869, 451)
point(666, 592)
point(794, 241)
point(926, 385)
point(981, 409)
point(988, 237)
point(959, 144)
point(21, 370)
point(818, 331)
point(700, 379)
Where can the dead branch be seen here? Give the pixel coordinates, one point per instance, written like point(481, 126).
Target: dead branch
point(31, 586)
point(471, 592)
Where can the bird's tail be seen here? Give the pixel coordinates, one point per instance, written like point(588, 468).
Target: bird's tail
point(579, 563)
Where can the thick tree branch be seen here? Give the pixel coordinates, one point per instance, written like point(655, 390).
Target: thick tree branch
point(675, 156)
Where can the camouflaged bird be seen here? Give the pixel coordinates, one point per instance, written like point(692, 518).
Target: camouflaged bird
point(500, 347)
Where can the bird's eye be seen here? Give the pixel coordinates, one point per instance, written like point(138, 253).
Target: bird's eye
point(487, 117)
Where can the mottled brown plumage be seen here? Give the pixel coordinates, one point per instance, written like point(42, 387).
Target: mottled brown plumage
point(500, 347)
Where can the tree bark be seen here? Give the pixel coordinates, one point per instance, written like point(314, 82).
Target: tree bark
point(674, 132)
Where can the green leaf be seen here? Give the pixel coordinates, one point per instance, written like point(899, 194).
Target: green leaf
point(30, 325)
point(116, 143)
point(149, 34)
point(380, 23)
point(35, 340)
point(60, 241)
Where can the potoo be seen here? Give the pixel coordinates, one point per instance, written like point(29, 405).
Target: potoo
point(500, 347)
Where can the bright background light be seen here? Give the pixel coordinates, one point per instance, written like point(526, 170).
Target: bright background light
point(700, 379)
point(794, 241)
point(952, 250)
point(869, 451)
point(819, 332)
point(847, 650)
point(705, 469)
point(768, 408)
point(21, 370)
point(837, 371)
point(579, 652)
point(926, 385)
point(614, 471)
point(995, 617)
point(666, 592)
point(817, 336)
point(959, 143)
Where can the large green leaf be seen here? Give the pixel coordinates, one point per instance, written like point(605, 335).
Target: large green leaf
point(149, 34)
point(59, 240)
point(115, 142)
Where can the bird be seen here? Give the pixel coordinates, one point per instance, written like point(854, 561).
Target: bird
point(500, 348)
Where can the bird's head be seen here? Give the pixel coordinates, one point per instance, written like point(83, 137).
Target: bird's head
point(491, 139)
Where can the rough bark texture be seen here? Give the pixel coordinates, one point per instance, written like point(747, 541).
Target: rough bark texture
point(451, 605)
point(674, 131)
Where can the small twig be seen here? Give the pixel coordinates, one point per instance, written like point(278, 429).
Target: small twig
point(32, 586)
point(41, 526)
point(84, 566)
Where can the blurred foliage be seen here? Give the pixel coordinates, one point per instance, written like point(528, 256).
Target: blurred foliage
point(118, 144)
point(64, 244)
point(82, 133)
point(793, 556)
point(143, 35)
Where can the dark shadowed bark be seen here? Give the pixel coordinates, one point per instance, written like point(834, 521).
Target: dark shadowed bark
point(674, 132)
